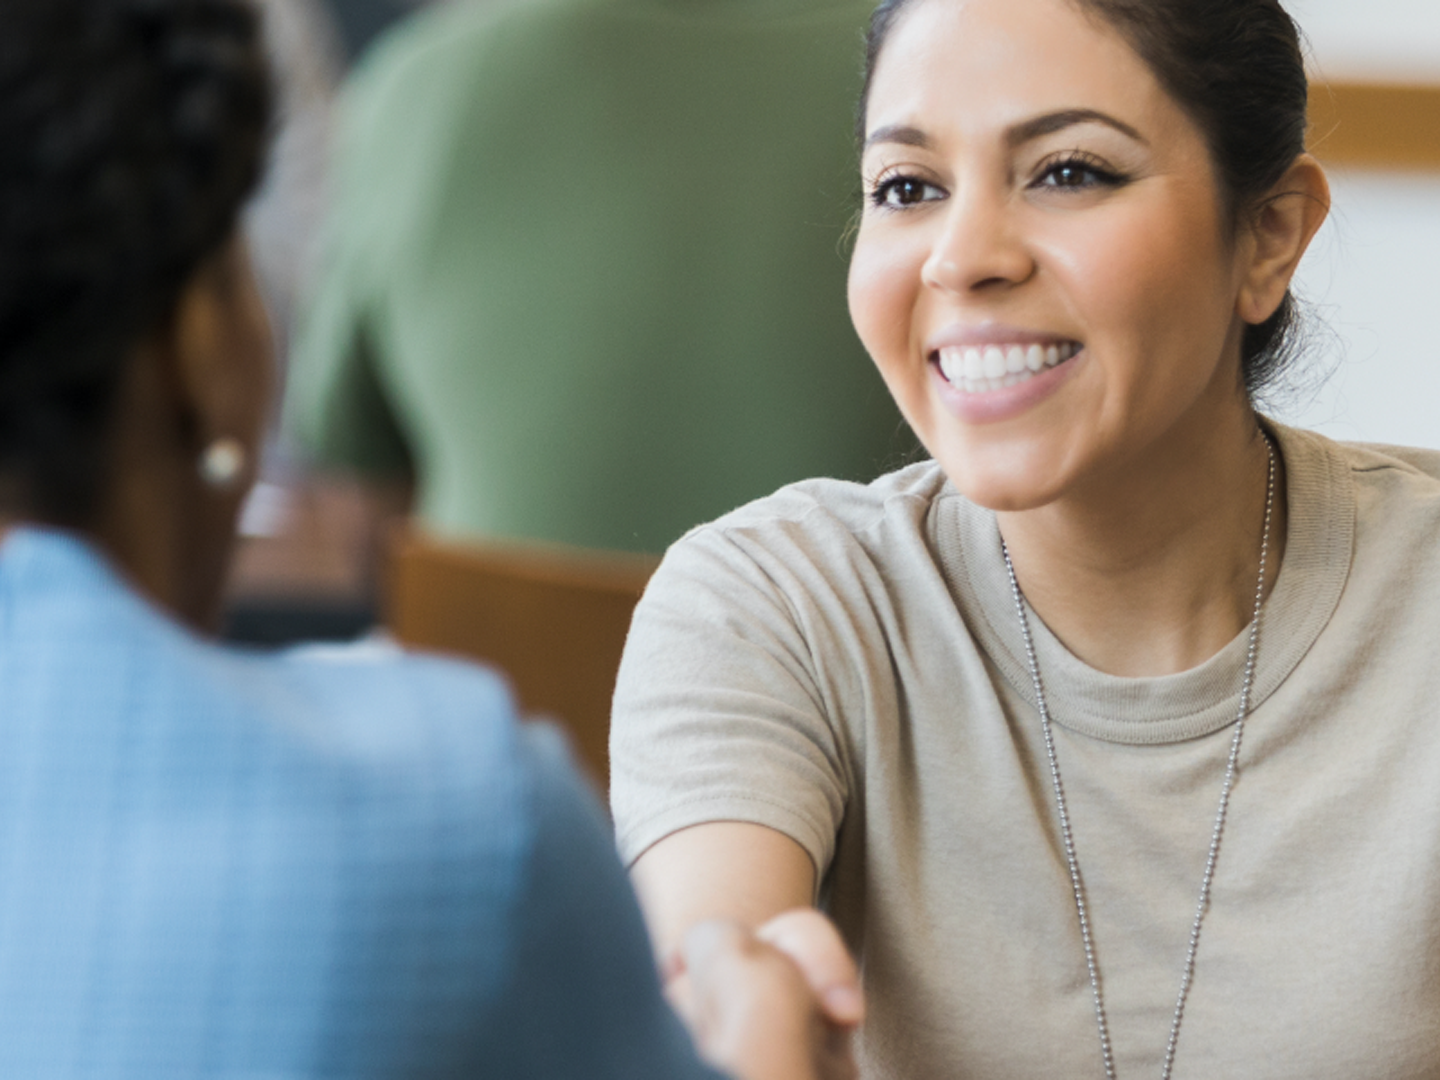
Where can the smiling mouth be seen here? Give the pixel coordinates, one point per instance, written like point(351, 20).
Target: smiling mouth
point(979, 369)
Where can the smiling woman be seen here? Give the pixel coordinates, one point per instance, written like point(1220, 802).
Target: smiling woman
point(997, 711)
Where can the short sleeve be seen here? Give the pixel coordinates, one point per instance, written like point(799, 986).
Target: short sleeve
point(581, 996)
point(722, 711)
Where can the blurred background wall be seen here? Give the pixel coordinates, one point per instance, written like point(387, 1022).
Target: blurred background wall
point(1391, 40)
point(1373, 276)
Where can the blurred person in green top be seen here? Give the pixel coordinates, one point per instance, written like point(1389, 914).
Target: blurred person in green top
point(584, 272)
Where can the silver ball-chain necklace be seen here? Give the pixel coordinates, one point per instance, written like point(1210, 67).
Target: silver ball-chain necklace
point(1187, 974)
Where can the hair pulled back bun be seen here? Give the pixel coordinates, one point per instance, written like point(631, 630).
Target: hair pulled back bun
point(1236, 68)
point(131, 133)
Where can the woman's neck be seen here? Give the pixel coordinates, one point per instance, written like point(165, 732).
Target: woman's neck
point(1152, 570)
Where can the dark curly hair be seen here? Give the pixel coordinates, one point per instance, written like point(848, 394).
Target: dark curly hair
point(131, 133)
point(1236, 68)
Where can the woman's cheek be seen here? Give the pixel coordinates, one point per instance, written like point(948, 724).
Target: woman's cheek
point(883, 288)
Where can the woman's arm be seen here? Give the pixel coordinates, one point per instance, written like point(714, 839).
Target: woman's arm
point(582, 999)
point(729, 870)
point(729, 780)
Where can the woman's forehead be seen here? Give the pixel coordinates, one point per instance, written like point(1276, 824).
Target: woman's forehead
point(988, 63)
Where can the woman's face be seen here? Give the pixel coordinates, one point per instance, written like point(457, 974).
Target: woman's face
point(1044, 272)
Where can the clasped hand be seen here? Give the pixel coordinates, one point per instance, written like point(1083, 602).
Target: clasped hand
point(777, 1003)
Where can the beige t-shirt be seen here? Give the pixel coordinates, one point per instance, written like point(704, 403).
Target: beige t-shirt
point(843, 663)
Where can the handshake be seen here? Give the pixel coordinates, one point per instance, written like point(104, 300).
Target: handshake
point(777, 1003)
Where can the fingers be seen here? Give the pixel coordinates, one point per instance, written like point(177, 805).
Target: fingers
point(813, 943)
point(748, 1007)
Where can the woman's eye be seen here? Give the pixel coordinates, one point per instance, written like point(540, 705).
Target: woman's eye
point(1076, 174)
point(904, 191)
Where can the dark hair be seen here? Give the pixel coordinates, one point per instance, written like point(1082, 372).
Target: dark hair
point(131, 132)
point(1235, 67)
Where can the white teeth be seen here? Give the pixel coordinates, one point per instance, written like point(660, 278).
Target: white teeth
point(974, 365)
point(994, 362)
point(952, 365)
point(977, 370)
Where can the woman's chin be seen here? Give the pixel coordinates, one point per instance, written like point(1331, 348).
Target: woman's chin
point(1015, 467)
point(1002, 481)
point(1005, 498)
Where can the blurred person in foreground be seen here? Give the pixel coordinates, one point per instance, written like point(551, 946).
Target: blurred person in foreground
point(224, 863)
point(582, 274)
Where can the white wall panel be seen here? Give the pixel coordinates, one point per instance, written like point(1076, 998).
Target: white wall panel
point(1374, 278)
point(1391, 40)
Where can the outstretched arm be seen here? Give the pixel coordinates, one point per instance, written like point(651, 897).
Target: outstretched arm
point(731, 870)
point(582, 997)
point(722, 892)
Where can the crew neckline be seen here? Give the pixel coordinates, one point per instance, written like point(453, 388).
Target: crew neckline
point(1320, 539)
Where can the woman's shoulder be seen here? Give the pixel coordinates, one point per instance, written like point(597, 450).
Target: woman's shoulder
point(80, 634)
point(375, 710)
point(1406, 473)
point(408, 758)
point(423, 761)
point(1416, 461)
point(432, 738)
point(1355, 507)
point(1354, 456)
point(820, 541)
point(825, 505)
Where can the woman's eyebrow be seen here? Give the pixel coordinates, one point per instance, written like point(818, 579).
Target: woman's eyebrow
point(1018, 135)
point(897, 133)
point(1057, 121)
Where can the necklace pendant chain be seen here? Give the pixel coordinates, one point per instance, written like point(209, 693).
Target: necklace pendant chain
point(1187, 974)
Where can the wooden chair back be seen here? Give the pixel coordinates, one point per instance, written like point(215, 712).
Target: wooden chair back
point(553, 618)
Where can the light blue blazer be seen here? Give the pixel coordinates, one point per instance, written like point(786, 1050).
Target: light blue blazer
point(217, 863)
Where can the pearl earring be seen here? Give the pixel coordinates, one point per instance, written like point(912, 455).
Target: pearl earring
point(223, 463)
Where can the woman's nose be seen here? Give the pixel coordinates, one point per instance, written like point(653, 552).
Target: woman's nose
point(978, 247)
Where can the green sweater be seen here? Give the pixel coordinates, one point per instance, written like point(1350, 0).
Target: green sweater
point(585, 267)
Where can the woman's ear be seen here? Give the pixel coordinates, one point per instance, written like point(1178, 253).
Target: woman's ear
point(189, 420)
point(222, 353)
point(1282, 229)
